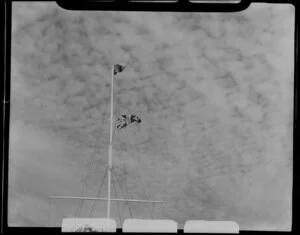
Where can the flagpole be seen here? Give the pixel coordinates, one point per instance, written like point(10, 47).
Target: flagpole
point(110, 142)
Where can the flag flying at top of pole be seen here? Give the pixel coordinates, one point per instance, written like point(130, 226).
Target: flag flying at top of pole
point(118, 68)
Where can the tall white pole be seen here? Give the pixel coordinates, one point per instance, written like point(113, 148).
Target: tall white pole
point(110, 142)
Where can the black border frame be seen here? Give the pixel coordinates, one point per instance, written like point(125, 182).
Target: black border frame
point(180, 6)
point(125, 5)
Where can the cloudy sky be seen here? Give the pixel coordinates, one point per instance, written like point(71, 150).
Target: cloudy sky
point(215, 93)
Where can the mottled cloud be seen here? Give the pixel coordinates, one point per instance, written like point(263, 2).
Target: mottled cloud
point(214, 92)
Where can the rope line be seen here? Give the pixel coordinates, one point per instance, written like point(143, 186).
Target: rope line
point(125, 186)
point(99, 191)
point(114, 178)
point(120, 217)
point(126, 197)
point(84, 184)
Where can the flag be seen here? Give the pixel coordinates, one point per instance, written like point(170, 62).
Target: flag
point(118, 68)
point(125, 120)
point(135, 119)
point(122, 121)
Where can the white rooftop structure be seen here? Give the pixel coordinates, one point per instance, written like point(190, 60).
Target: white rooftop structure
point(88, 225)
point(149, 225)
point(202, 226)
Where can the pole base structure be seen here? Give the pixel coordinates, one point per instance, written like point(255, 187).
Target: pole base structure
point(203, 226)
point(89, 225)
point(149, 226)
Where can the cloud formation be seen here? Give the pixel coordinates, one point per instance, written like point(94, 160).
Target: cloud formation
point(214, 92)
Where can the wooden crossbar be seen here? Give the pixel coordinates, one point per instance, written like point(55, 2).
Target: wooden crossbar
point(105, 199)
